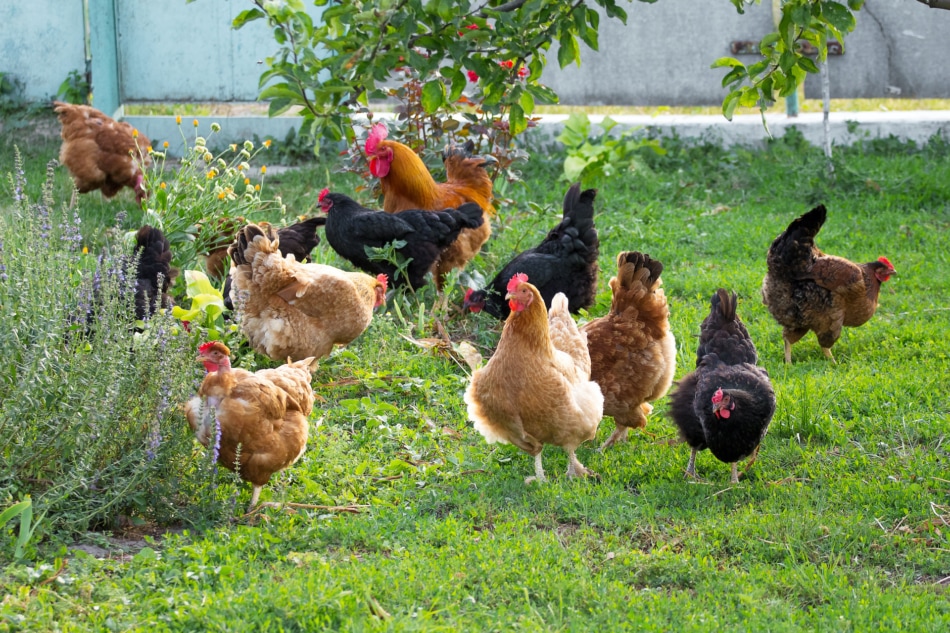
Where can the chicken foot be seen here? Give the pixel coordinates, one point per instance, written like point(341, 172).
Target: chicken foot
point(538, 472)
point(255, 495)
point(735, 474)
point(691, 466)
point(576, 469)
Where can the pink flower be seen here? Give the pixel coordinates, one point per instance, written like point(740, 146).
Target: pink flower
point(507, 64)
point(472, 76)
point(523, 72)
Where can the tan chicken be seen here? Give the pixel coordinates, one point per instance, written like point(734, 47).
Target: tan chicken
point(407, 184)
point(289, 309)
point(257, 421)
point(100, 152)
point(805, 289)
point(632, 349)
point(536, 388)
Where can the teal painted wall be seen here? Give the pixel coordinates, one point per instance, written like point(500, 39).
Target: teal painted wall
point(40, 42)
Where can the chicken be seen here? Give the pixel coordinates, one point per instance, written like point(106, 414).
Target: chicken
point(257, 421)
point(101, 153)
point(351, 228)
point(154, 273)
point(295, 310)
point(566, 261)
point(632, 349)
point(297, 239)
point(805, 289)
point(536, 388)
point(216, 237)
point(727, 402)
point(407, 184)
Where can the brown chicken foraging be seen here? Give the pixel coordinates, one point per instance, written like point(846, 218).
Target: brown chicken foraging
point(407, 184)
point(256, 421)
point(297, 310)
point(805, 289)
point(100, 152)
point(632, 349)
point(536, 388)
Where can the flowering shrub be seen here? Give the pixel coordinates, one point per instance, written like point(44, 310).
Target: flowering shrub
point(90, 426)
point(201, 202)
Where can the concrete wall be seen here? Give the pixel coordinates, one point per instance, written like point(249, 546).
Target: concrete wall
point(41, 41)
point(662, 55)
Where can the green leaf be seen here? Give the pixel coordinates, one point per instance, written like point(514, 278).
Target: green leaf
point(729, 104)
point(433, 96)
point(517, 123)
point(527, 102)
point(246, 16)
point(807, 64)
point(727, 61)
point(838, 16)
point(567, 51)
point(458, 80)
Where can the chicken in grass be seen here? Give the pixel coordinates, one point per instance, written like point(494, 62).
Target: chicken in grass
point(289, 309)
point(727, 402)
point(298, 239)
point(100, 152)
point(807, 290)
point(632, 349)
point(257, 422)
point(536, 388)
point(154, 273)
point(407, 184)
point(352, 228)
point(565, 261)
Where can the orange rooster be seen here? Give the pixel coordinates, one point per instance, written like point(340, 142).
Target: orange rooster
point(100, 152)
point(297, 310)
point(536, 388)
point(632, 349)
point(257, 420)
point(407, 184)
point(806, 289)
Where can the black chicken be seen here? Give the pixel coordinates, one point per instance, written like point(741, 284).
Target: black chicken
point(352, 228)
point(566, 261)
point(297, 240)
point(154, 273)
point(727, 402)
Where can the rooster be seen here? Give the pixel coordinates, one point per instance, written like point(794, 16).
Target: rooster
point(632, 349)
point(297, 239)
point(536, 388)
point(804, 289)
point(727, 402)
point(407, 184)
point(351, 228)
point(289, 309)
point(257, 421)
point(566, 261)
point(100, 152)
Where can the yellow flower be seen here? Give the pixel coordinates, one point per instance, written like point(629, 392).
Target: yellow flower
point(247, 181)
point(267, 143)
point(178, 119)
point(85, 250)
point(263, 169)
point(212, 173)
point(257, 187)
point(222, 195)
point(162, 186)
point(165, 145)
point(195, 122)
point(135, 133)
point(149, 149)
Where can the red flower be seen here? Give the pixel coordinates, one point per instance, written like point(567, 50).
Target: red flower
point(472, 76)
point(472, 27)
point(507, 64)
point(523, 72)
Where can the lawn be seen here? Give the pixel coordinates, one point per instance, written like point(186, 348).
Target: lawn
point(406, 520)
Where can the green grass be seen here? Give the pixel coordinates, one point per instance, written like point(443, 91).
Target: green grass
point(841, 524)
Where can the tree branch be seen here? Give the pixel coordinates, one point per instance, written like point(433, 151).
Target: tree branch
point(504, 8)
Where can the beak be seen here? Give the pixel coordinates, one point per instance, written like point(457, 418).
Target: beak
point(510, 295)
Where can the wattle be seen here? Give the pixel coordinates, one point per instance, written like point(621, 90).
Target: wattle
point(379, 168)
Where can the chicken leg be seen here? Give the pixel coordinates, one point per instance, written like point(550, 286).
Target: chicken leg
point(538, 471)
point(735, 474)
point(691, 466)
point(255, 495)
point(575, 468)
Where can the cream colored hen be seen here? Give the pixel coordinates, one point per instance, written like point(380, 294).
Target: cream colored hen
point(536, 388)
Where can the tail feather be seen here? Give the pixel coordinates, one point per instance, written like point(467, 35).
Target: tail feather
point(794, 248)
point(638, 275)
point(469, 215)
point(724, 303)
point(579, 206)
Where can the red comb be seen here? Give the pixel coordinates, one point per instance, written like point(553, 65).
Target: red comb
point(377, 134)
point(323, 194)
point(885, 261)
point(516, 280)
point(717, 397)
point(383, 279)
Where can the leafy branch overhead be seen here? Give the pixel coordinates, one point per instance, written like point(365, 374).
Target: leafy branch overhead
point(492, 51)
point(785, 57)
